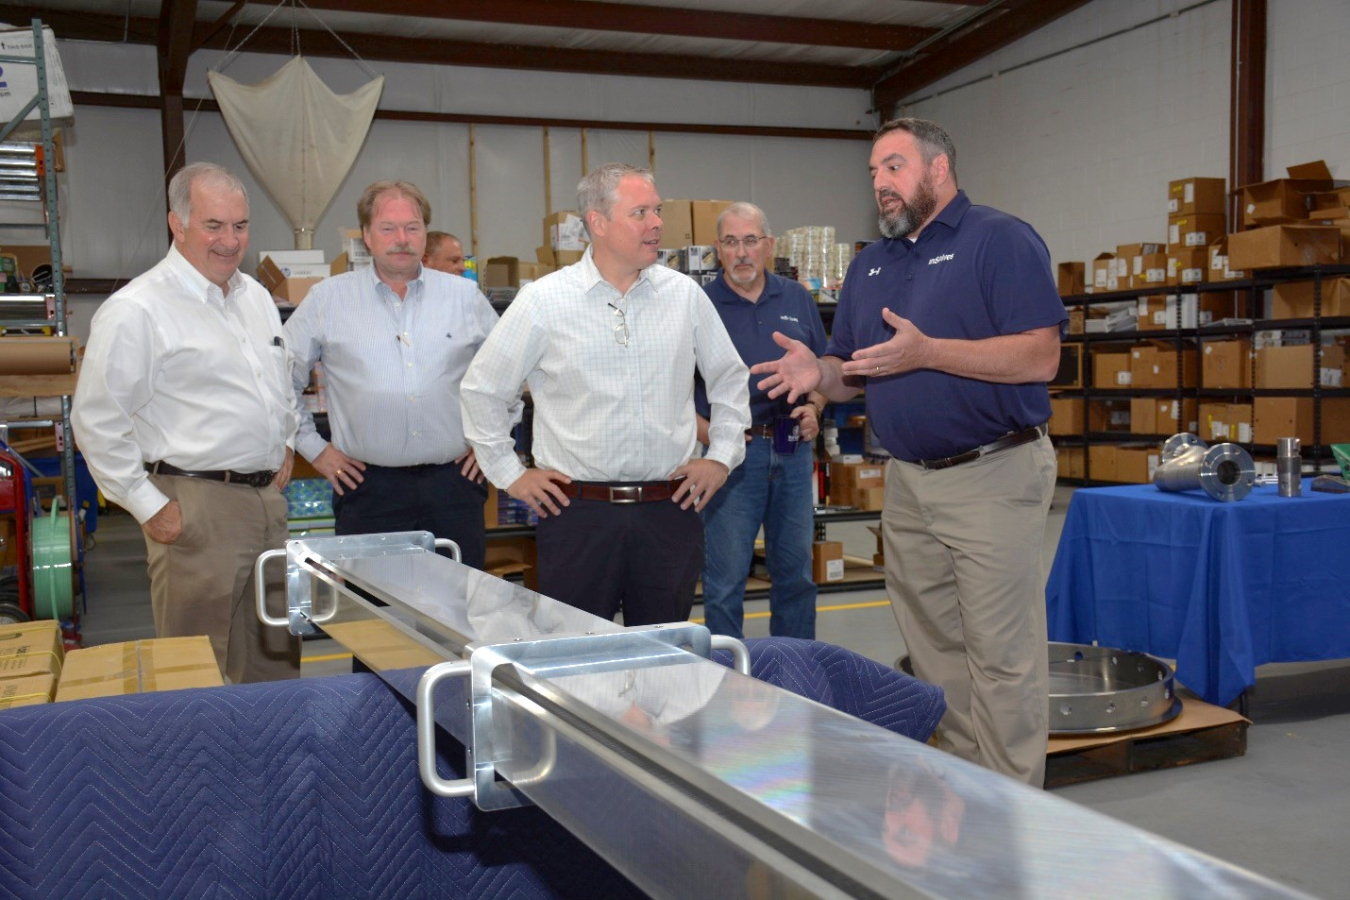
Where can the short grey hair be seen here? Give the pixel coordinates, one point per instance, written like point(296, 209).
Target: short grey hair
point(599, 190)
point(742, 209)
point(932, 138)
point(180, 187)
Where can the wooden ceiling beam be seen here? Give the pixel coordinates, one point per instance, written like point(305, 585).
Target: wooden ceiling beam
point(595, 15)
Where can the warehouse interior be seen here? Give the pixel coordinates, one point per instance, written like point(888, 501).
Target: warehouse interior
point(1072, 115)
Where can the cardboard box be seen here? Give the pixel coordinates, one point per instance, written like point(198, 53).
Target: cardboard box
point(1187, 265)
point(1277, 417)
point(1152, 270)
point(677, 224)
point(1135, 464)
point(285, 288)
point(381, 646)
point(1142, 359)
point(1294, 299)
point(1070, 277)
point(1069, 461)
point(1192, 196)
point(567, 257)
point(1175, 416)
point(31, 648)
point(34, 261)
point(545, 255)
point(1284, 245)
point(1219, 267)
point(1195, 230)
point(1151, 312)
point(1101, 462)
point(1220, 422)
point(29, 690)
point(1067, 416)
point(1102, 268)
point(1284, 200)
point(869, 498)
point(850, 483)
point(827, 561)
point(1292, 367)
point(1111, 369)
point(1108, 415)
point(1076, 321)
point(704, 214)
point(1193, 310)
point(1143, 415)
point(564, 230)
point(878, 558)
point(1165, 368)
point(1227, 364)
point(1130, 265)
point(135, 667)
point(500, 272)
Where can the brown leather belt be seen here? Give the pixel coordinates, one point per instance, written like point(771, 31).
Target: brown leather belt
point(763, 431)
point(645, 492)
point(251, 479)
point(1012, 439)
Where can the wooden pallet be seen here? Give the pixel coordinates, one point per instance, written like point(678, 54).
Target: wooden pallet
point(1200, 734)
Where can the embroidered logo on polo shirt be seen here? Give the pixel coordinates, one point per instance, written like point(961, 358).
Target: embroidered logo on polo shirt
point(941, 259)
point(876, 271)
point(789, 319)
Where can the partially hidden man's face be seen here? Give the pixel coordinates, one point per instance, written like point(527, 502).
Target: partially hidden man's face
point(903, 184)
point(396, 237)
point(447, 257)
point(215, 237)
point(632, 233)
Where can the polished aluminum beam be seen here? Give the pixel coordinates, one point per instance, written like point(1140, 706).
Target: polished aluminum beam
point(695, 781)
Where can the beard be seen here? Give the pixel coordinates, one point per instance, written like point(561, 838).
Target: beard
point(743, 280)
point(910, 215)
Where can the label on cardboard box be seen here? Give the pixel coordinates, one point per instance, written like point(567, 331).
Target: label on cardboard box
point(834, 570)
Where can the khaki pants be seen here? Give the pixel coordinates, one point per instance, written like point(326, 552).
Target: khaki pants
point(963, 570)
point(203, 582)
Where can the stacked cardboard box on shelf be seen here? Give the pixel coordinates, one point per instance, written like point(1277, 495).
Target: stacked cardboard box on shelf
point(860, 484)
point(1296, 221)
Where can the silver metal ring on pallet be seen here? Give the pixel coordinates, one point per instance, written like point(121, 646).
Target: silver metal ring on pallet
point(1097, 690)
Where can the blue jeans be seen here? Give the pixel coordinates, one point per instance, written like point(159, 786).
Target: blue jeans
point(776, 491)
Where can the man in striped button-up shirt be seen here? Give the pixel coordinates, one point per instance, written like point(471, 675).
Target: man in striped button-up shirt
point(609, 347)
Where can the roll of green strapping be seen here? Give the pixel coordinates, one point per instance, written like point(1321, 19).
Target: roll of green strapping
point(53, 595)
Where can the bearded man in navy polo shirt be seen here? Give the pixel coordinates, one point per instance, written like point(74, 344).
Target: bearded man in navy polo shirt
point(952, 325)
point(774, 487)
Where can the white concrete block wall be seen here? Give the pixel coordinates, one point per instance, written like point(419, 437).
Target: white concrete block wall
point(1308, 86)
point(1082, 145)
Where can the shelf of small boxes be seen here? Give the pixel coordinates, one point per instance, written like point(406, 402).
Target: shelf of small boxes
point(1189, 354)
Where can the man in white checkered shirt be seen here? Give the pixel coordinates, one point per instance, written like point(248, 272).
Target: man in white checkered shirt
point(609, 347)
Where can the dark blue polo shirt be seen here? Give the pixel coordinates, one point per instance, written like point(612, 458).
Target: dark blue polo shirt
point(973, 273)
point(784, 306)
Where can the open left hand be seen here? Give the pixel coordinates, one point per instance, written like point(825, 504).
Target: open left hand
point(702, 479)
point(904, 352)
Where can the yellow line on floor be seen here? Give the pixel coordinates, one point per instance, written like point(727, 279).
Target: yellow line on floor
point(868, 604)
point(327, 658)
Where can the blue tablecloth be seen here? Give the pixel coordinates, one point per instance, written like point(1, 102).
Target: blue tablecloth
point(1219, 587)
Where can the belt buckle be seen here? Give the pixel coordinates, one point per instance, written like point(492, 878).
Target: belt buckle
point(629, 494)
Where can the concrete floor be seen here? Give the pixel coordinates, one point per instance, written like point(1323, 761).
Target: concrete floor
point(1283, 810)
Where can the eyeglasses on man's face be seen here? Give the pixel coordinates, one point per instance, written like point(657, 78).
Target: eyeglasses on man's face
point(749, 242)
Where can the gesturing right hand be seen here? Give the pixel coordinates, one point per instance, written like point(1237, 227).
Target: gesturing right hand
point(796, 373)
point(340, 469)
point(539, 489)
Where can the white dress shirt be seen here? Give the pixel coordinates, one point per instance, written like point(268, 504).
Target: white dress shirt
point(605, 411)
point(179, 372)
point(392, 365)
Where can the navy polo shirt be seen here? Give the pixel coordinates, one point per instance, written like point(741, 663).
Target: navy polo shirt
point(783, 305)
point(973, 273)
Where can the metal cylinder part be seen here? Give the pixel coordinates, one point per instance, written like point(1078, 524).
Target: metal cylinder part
point(1225, 471)
point(1289, 466)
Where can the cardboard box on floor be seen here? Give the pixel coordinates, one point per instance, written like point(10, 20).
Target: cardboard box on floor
point(135, 667)
point(827, 561)
point(31, 648)
point(29, 690)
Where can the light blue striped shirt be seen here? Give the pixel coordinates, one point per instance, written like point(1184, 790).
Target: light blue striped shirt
point(392, 366)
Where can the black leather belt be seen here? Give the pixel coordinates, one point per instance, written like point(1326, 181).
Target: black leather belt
point(250, 479)
point(762, 431)
point(1012, 439)
point(646, 492)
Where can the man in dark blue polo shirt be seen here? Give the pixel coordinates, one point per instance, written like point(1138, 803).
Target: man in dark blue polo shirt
point(773, 488)
point(952, 323)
